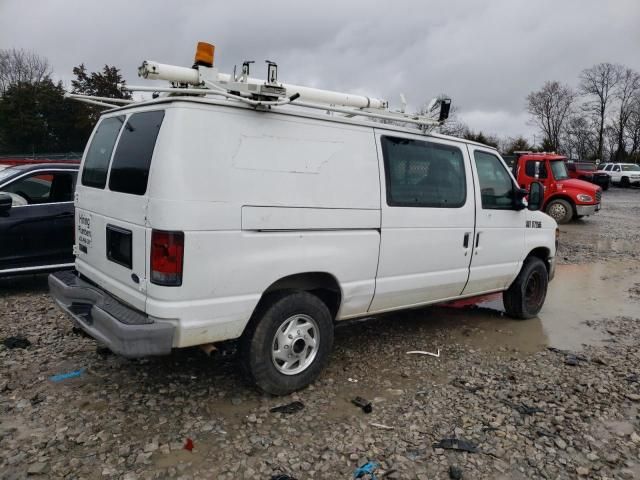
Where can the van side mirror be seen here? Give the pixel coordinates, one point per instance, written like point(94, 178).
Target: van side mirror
point(518, 197)
point(5, 203)
point(536, 196)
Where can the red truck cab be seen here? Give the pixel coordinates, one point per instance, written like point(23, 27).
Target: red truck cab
point(565, 198)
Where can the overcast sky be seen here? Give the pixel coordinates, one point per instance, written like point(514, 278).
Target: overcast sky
point(487, 55)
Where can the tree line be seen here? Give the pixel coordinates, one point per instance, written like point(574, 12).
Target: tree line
point(35, 117)
point(600, 120)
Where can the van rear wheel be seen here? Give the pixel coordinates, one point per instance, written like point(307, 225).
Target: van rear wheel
point(527, 293)
point(288, 343)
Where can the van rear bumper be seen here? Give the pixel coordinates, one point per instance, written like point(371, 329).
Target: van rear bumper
point(124, 330)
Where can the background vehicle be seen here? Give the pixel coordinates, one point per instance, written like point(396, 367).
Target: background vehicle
point(565, 198)
point(623, 174)
point(587, 171)
point(36, 218)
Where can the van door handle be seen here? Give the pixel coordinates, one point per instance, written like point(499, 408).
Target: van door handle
point(465, 242)
point(477, 239)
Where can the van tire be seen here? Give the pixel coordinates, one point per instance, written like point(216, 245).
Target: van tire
point(560, 210)
point(624, 182)
point(527, 293)
point(258, 344)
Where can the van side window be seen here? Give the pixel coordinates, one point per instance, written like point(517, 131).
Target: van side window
point(423, 174)
point(132, 160)
point(96, 163)
point(496, 185)
point(530, 169)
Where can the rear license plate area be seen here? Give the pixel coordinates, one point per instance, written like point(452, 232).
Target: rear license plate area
point(119, 242)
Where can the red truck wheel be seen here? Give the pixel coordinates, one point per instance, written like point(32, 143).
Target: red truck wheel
point(560, 210)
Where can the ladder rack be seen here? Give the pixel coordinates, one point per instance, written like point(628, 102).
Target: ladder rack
point(203, 79)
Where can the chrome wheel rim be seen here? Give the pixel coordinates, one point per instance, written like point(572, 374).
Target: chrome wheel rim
point(295, 344)
point(557, 211)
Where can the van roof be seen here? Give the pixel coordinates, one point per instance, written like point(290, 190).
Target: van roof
point(299, 112)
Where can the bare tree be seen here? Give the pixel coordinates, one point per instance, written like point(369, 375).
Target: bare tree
point(598, 82)
point(578, 136)
point(550, 107)
point(626, 93)
point(18, 66)
point(633, 128)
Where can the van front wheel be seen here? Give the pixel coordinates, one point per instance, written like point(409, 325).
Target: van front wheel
point(288, 343)
point(527, 293)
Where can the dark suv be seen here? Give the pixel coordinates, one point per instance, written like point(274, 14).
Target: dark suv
point(588, 172)
point(36, 218)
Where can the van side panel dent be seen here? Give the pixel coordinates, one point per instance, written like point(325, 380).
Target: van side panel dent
point(235, 268)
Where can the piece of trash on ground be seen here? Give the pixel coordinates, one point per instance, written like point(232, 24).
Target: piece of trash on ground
point(523, 408)
point(422, 352)
point(352, 380)
point(456, 444)
point(282, 476)
point(188, 444)
point(455, 472)
point(16, 342)
point(65, 376)
point(363, 403)
point(368, 468)
point(292, 407)
point(382, 426)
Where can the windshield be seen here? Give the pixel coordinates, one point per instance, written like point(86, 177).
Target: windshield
point(559, 170)
point(625, 168)
point(590, 167)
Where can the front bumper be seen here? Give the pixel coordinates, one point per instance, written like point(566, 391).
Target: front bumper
point(122, 329)
point(584, 210)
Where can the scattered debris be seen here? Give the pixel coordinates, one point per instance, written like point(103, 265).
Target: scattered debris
point(188, 444)
point(364, 404)
point(292, 407)
point(458, 382)
point(455, 472)
point(368, 468)
point(16, 342)
point(456, 444)
point(571, 360)
point(65, 376)
point(382, 426)
point(352, 380)
point(523, 408)
point(282, 476)
point(421, 352)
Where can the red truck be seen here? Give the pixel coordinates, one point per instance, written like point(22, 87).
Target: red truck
point(565, 198)
point(588, 172)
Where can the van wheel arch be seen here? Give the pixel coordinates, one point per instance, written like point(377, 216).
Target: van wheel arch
point(321, 284)
point(543, 254)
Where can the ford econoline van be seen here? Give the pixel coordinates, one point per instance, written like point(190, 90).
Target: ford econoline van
point(201, 220)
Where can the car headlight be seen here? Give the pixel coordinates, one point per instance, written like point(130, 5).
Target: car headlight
point(583, 197)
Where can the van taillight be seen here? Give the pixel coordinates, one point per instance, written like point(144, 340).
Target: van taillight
point(167, 252)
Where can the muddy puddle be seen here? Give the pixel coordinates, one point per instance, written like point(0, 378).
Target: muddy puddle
point(578, 295)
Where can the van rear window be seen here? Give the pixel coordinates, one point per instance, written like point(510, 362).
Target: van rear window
point(96, 164)
point(132, 160)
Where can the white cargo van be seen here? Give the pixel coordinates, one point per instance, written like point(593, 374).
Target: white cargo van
point(202, 220)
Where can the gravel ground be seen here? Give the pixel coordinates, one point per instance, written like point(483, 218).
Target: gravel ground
point(525, 410)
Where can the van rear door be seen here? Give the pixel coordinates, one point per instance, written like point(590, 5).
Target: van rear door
point(111, 204)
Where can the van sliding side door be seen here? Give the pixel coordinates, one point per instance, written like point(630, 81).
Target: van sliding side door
point(427, 202)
